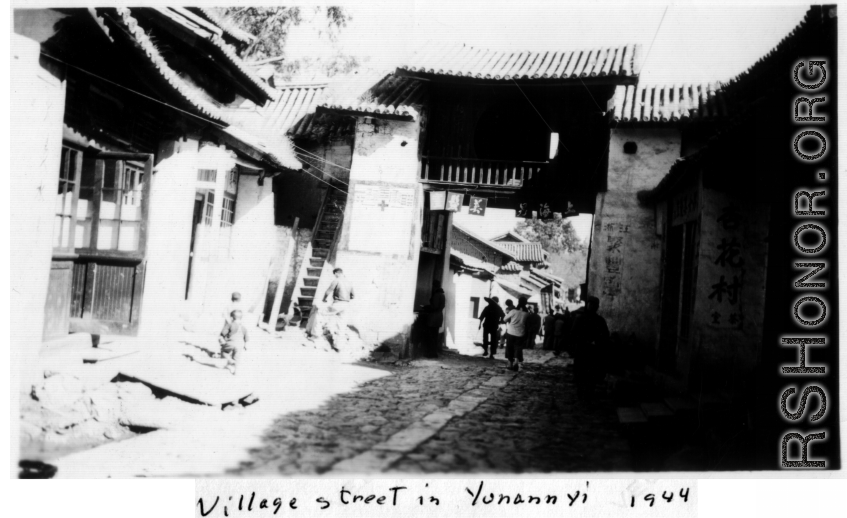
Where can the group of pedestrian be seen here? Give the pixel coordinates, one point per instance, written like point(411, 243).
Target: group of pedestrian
point(583, 334)
point(557, 326)
point(522, 324)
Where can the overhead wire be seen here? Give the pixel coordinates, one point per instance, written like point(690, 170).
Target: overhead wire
point(204, 119)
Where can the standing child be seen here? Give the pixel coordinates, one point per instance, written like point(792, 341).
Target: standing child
point(233, 340)
point(232, 306)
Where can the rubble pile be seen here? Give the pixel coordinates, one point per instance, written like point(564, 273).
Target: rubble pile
point(62, 414)
point(320, 336)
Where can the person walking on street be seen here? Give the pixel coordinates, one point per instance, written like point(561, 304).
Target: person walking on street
point(342, 293)
point(533, 327)
point(590, 338)
point(549, 331)
point(510, 307)
point(562, 328)
point(489, 321)
point(515, 334)
point(434, 314)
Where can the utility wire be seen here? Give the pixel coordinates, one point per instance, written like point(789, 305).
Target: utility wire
point(654, 39)
point(539, 114)
point(319, 158)
point(191, 114)
point(134, 91)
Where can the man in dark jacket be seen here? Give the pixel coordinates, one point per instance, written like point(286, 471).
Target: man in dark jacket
point(434, 315)
point(549, 331)
point(489, 321)
point(590, 338)
point(533, 327)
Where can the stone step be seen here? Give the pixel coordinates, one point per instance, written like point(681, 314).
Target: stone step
point(314, 272)
point(320, 252)
point(656, 410)
point(311, 282)
point(316, 262)
point(305, 302)
point(631, 416)
point(321, 244)
point(325, 234)
point(307, 291)
point(304, 311)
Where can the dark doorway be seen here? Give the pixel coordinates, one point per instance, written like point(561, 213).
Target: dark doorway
point(198, 217)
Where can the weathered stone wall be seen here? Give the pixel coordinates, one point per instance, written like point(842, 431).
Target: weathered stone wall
point(625, 262)
point(730, 291)
point(378, 250)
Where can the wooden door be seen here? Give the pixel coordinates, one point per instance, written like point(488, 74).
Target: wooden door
point(56, 309)
point(108, 272)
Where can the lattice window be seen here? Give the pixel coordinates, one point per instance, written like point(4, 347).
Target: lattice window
point(67, 198)
point(228, 210)
point(209, 209)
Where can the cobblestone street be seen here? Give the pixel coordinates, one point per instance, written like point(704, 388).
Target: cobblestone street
point(455, 414)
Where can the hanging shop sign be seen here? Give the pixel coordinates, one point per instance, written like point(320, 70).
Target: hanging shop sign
point(454, 201)
point(437, 199)
point(477, 206)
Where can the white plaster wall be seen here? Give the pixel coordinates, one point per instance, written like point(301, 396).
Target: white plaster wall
point(384, 153)
point(449, 284)
point(169, 237)
point(625, 263)
point(464, 327)
point(246, 252)
point(37, 110)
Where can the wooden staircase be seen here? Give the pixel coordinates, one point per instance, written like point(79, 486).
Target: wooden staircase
point(327, 227)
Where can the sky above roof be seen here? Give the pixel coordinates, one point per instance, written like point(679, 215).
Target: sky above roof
point(695, 43)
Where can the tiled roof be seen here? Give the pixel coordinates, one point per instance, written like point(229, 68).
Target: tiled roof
point(511, 266)
point(510, 236)
point(818, 23)
point(293, 104)
point(189, 92)
point(555, 279)
point(473, 62)
point(470, 262)
point(208, 31)
point(492, 244)
point(749, 89)
point(225, 25)
point(642, 104)
point(524, 251)
point(668, 103)
point(279, 152)
point(393, 96)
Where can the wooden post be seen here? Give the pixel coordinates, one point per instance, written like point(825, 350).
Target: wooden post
point(283, 277)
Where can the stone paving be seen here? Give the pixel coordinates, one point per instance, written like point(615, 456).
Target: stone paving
point(455, 414)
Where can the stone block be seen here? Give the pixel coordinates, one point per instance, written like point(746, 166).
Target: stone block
point(407, 440)
point(368, 462)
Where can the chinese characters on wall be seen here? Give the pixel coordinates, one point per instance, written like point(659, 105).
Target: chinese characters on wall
point(615, 231)
point(728, 281)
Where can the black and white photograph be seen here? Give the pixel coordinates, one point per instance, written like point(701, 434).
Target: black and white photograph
point(423, 239)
